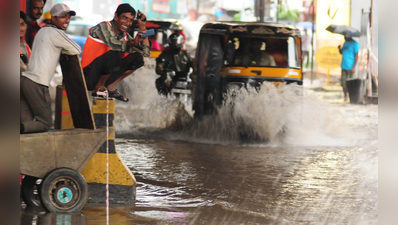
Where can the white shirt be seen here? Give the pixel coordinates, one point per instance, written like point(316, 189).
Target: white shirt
point(48, 45)
point(306, 42)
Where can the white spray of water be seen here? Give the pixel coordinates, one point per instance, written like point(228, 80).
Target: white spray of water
point(278, 115)
point(273, 115)
point(146, 108)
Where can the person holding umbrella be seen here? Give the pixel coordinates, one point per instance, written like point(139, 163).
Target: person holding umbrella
point(349, 51)
point(349, 61)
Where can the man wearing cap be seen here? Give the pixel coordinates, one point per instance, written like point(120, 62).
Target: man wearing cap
point(110, 54)
point(36, 10)
point(50, 41)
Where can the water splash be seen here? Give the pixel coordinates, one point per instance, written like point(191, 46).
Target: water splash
point(274, 115)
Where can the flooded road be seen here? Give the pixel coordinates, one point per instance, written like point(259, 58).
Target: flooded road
point(319, 169)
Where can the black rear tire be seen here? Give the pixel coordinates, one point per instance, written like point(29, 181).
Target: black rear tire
point(29, 190)
point(64, 190)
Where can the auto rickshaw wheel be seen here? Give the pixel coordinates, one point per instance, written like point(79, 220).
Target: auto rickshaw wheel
point(64, 190)
point(30, 190)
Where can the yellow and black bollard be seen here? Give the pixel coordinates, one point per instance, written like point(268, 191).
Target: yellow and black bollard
point(122, 184)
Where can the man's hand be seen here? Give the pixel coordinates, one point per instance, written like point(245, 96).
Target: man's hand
point(130, 43)
point(138, 38)
point(141, 19)
point(353, 70)
point(339, 47)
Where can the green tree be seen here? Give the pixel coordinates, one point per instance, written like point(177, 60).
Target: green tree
point(287, 14)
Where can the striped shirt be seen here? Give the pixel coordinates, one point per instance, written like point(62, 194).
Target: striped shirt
point(106, 31)
point(50, 42)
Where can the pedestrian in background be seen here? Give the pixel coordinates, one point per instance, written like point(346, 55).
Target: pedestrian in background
point(36, 10)
point(349, 61)
point(46, 19)
point(306, 47)
point(24, 49)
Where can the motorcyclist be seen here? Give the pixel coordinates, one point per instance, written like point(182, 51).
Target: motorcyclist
point(173, 64)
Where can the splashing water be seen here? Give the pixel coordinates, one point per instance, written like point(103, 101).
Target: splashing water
point(147, 109)
point(274, 115)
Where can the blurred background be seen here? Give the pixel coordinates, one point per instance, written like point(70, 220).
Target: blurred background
point(312, 15)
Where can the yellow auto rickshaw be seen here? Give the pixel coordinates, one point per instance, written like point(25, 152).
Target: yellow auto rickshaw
point(234, 55)
point(163, 29)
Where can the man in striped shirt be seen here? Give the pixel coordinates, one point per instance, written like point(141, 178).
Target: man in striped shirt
point(50, 42)
point(110, 54)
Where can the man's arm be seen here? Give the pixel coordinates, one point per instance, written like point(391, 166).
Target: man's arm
point(142, 45)
point(67, 45)
point(190, 61)
point(340, 50)
point(160, 63)
point(355, 63)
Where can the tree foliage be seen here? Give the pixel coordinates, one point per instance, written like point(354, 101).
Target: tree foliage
point(287, 14)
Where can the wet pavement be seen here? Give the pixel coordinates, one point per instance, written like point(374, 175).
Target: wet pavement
point(319, 169)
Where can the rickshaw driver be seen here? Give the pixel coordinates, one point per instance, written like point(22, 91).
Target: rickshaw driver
point(253, 55)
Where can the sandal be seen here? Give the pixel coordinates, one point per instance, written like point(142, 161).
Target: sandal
point(116, 94)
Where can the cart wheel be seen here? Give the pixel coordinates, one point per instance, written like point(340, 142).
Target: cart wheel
point(63, 190)
point(30, 190)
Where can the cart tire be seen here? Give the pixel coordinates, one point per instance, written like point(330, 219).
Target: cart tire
point(29, 189)
point(63, 190)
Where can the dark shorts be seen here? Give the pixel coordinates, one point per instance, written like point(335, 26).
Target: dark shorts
point(345, 74)
point(111, 63)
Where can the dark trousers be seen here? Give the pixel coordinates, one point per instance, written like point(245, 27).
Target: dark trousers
point(35, 106)
point(111, 63)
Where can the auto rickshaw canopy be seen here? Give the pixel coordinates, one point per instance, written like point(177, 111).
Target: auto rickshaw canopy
point(252, 28)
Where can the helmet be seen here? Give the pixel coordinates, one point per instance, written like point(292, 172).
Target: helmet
point(47, 16)
point(175, 41)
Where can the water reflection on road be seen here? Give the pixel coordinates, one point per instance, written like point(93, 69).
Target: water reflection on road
point(328, 178)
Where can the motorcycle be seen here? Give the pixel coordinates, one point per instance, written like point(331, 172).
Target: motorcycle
point(170, 83)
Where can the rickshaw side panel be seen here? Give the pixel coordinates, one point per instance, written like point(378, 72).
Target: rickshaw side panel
point(209, 62)
point(263, 72)
point(41, 153)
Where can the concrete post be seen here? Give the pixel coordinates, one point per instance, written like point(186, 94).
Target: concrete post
point(122, 183)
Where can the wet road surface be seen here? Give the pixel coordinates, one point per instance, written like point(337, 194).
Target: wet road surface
point(323, 171)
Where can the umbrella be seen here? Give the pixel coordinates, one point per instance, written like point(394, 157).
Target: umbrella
point(307, 25)
point(343, 30)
